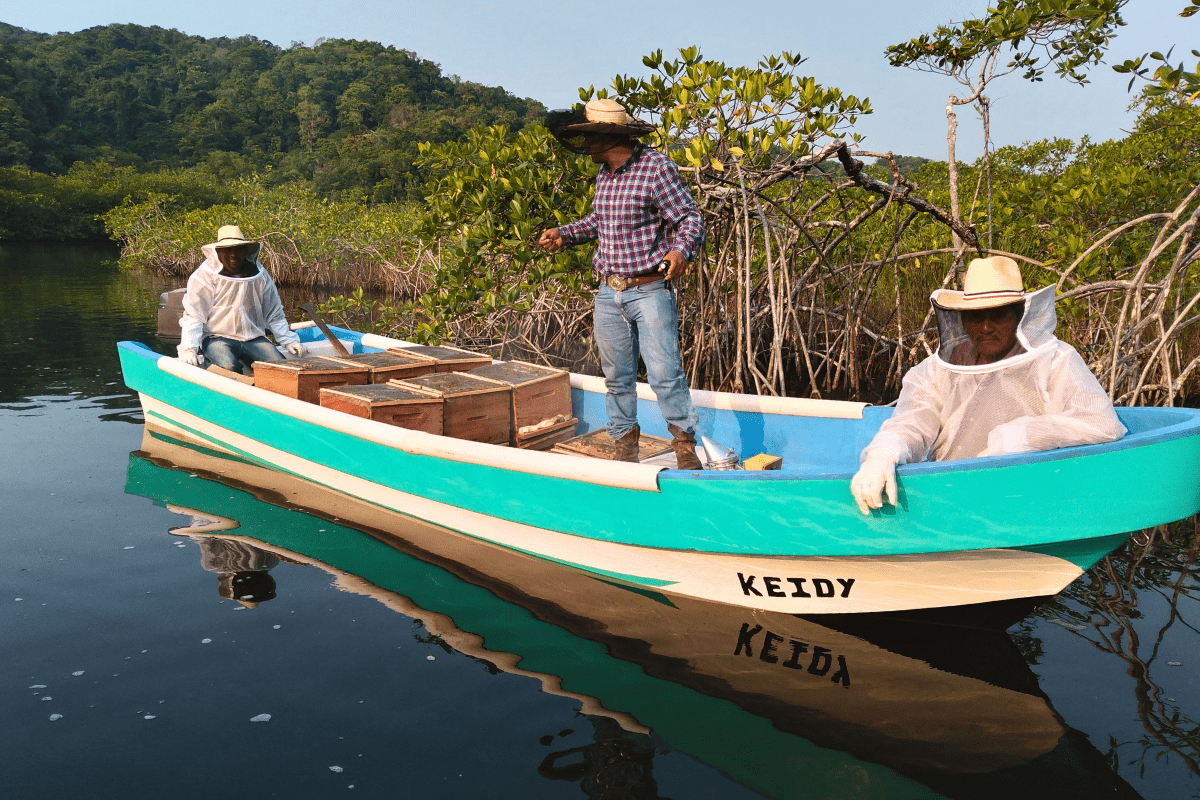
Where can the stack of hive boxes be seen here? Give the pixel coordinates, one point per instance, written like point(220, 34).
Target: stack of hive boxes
point(436, 389)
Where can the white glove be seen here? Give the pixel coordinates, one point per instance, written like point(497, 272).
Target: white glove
point(295, 349)
point(875, 475)
point(190, 357)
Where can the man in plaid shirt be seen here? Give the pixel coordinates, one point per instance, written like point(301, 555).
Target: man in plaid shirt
point(648, 228)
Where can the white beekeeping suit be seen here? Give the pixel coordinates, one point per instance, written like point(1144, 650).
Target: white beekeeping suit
point(1039, 399)
point(235, 308)
point(1041, 396)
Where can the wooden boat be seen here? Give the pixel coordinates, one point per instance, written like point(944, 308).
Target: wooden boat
point(900, 709)
point(789, 540)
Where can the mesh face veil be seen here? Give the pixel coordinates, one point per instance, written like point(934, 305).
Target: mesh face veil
point(557, 121)
point(1036, 329)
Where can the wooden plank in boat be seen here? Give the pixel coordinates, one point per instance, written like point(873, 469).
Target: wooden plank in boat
point(304, 378)
point(547, 434)
point(598, 444)
point(539, 393)
point(387, 403)
point(473, 408)
point(449, 359)
point(391, 364)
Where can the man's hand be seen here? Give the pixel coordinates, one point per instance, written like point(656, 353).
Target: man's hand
point(677, 264)
point(876, 477)
point(295, 349)
point(190, 357)
point(551, 240)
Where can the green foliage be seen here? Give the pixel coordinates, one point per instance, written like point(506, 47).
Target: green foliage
point(35, 206)
point(1068, 34)
point(711, 116)
point(1052, 199)
point(1052, 205)
point(498, 191)
point(343, 115)
point(1165, 78)
point(307, 240)
point(906, 164)
point(501, 188)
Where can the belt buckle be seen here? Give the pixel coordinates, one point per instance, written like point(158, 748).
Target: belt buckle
point(618, 283)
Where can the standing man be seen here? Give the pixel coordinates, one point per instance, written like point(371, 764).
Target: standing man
point(230, 304)
point(648, 228)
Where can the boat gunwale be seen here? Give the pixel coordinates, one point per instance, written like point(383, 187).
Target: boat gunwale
point(848, 410)
point(646, 477)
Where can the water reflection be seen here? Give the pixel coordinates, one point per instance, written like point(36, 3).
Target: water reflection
point(617, 765)
point(788, 707)
point(1145, 588)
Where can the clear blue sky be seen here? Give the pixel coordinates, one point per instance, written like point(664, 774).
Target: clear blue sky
point(546, 50)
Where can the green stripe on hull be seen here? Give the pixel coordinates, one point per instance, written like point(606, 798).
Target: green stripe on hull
point(1020, 506)
point(1084, 553)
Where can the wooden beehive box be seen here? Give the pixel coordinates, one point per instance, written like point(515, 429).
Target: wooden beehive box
point(387, 403)
point(473, 408)
point(304, 378)
point(449, 359)
point(391, 364)
point(540, 394)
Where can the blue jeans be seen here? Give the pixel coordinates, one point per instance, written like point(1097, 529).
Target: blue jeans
point(641, 319)
point(238, 356)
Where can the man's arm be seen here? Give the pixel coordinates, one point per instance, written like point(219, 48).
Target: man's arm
point(679, 210)
point(903, 438)
point(196, 308)
point(1078, 412)
point(914, 426)
point(274, 315)
point(571, 234)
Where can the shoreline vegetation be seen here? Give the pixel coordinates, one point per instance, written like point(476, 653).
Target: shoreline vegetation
point(413, 202)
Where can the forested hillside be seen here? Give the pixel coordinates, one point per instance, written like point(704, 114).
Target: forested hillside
point(343, 115)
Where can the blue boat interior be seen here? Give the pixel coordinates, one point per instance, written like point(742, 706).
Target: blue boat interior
point(822, 447)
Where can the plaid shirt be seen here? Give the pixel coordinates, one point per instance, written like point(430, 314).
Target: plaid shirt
point(640, 213)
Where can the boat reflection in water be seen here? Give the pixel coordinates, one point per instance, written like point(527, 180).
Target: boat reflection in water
point(787, 706)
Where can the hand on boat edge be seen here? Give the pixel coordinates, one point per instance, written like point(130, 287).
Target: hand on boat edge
point(874, 478)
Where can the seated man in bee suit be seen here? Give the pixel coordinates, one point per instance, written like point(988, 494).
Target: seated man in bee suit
point(230, 304)
point(999, 383)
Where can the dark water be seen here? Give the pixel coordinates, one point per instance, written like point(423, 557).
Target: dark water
point(422, 667)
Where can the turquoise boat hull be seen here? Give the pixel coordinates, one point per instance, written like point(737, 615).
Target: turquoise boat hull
point(965, 532)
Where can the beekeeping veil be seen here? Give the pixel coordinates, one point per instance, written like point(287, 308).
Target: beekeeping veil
point(569, 126)
point(1040, 396)
point(992, 283)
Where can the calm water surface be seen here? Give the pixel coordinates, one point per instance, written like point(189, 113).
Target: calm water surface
point(395, 661)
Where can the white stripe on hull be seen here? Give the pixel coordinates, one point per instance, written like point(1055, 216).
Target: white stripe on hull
point(809, 585)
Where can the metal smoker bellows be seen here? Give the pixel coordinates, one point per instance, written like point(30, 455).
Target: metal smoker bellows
point(719, 456)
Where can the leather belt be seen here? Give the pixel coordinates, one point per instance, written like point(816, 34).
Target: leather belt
point(620, 283)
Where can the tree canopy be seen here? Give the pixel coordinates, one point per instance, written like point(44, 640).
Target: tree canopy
point(342, 114)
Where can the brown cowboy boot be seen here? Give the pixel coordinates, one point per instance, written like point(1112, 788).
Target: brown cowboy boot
point(685, 448)
point(627, 446)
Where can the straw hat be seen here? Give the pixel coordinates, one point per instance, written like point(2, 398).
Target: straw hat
point(230, 236)
point(608, 116)
point(989, 282)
